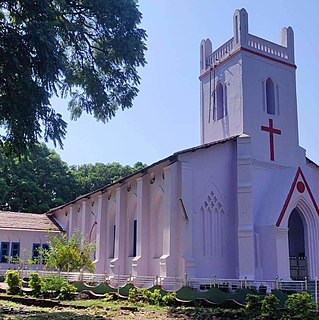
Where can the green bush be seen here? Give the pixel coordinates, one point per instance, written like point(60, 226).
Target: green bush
point(51, 287)
point(253, 307)
point(108, 297)
point(299, 306)
point(57, 287)
point(35, 283)
point(155, 297)
point(169, 298)
point(269, 307)
point(14, 281)
point(67, 292)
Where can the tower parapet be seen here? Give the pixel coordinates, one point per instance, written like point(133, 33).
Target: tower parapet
point(242, 40)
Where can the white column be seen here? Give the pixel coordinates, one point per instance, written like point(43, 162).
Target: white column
point(101, 234)
point(187, 220)
point(246, 243)
point(84, 224)
point(168, 261)
point(283, 263)
point(139, 263)
point(71, 222)
point(118, 263)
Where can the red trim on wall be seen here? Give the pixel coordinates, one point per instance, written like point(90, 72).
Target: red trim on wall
point(237, 51)
point(269, 58)
point(292, 188)
point(310, 193)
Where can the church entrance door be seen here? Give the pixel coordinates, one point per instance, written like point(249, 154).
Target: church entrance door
point(297, 251)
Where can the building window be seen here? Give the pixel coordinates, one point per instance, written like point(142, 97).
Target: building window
point(134, 248)
point(4, 252)
point(270, 97)
point(45, 246)
point(112, 247)
point(36, 257)
point(15, 251)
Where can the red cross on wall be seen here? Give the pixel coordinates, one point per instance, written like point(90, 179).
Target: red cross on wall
point(271, 131)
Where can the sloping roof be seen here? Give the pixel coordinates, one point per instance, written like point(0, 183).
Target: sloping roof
point(170, 159)
point(27, 221)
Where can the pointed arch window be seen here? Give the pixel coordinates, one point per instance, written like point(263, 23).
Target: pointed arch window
point(220, 105)
point(270, 97)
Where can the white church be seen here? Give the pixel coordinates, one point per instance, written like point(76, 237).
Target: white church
point(243, 204)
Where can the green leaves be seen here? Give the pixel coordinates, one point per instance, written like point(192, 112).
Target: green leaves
point(37, 183)
point(69, 254)
point(42, 181)
point(91, 177)
point(86, 50)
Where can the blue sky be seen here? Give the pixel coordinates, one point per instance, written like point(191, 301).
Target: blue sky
point(165, 115)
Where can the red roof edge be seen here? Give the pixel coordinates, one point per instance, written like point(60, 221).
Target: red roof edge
point(284, 209)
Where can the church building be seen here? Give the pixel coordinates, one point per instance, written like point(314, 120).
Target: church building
point(242, 204)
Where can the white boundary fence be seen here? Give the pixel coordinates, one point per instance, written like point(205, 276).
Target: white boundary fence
point(175, 283)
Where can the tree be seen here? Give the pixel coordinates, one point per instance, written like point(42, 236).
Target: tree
point(36, 183)
point(91, 177)
point(69, 254)
point(88, 50)
point(42, 181)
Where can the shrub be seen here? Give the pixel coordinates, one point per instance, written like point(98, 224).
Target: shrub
point(108, 297)
point(57, 287)
point(35, 283)
point(67, 292)
point(155, 297)
point(14, 281)
point(253, 307)
point(299, 306)
point(169, 298)
point(269, 307)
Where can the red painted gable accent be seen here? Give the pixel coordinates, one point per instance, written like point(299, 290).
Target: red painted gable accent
point(292, 188)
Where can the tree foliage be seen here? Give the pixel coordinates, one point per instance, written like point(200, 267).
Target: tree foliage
point(37, 183)
point(69, 254)
point(94, 176)
point(43, 181)
point(87, 50)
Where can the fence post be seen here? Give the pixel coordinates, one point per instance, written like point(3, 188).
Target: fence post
point(245, 282)
point(306, 288)
point(214, 280)
point(277, 283)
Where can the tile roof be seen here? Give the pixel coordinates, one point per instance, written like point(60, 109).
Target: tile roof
point(27, 221)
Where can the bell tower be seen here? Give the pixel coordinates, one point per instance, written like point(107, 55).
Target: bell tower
point(248, 86)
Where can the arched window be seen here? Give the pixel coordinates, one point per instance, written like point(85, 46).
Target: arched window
point(112, 233)
point(132, 228)
point(270, 97)
point(220, 101)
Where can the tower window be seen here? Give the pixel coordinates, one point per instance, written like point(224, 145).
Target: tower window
point(220, 112)
point(270, 97)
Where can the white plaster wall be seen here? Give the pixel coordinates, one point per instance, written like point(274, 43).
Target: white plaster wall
point(26, 240)
point(228, 73)
point(213, 169)
point(255, 71)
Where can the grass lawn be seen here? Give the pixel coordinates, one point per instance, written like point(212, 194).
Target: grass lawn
point(89, 309)
point(99, 309)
